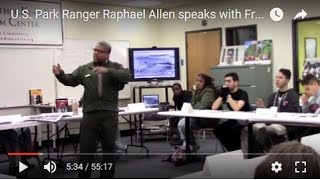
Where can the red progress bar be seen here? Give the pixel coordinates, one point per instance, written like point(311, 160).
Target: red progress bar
point(24, 154)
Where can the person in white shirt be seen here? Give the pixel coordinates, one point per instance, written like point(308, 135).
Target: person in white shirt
point(310, 103)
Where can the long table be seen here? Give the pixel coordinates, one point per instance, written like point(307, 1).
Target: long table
point(21, 125)
point(211, 114)
point(246, 118)
point(75, 118)
point(124, 113)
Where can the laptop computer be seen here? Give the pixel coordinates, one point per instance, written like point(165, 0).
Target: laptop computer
point(151, 100)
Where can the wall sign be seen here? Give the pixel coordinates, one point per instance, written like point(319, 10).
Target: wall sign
point(30, 23)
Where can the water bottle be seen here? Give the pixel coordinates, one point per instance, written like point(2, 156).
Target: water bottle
point(75, 106)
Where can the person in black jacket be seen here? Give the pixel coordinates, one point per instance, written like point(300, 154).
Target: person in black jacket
point(235, 99)
point(286, 100)
point(179, 97)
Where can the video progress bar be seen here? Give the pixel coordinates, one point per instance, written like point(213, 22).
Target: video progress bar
point(140, 153)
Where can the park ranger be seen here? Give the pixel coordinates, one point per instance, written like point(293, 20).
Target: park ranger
point(102, 80)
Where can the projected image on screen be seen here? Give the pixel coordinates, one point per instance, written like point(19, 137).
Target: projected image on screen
point(153, 64)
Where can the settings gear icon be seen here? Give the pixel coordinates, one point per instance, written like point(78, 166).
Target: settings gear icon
point(276, 167)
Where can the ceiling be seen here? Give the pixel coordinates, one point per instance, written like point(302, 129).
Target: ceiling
point(145, 3)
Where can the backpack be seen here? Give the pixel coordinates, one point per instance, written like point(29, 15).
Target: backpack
point(177, 156)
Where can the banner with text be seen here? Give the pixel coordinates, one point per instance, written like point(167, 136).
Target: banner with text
point(20, 26)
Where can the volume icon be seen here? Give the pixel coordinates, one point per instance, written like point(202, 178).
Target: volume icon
point(51, 167)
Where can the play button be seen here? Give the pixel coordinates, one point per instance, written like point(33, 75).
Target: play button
point(22, 167)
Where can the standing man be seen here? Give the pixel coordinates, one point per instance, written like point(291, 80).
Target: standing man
point(102, 80)
point(236, 99)
point(286, 100)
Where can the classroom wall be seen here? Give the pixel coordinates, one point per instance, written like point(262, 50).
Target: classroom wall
point(173, 31)
point(140, 33)
point(147, 33)
point(307, 29)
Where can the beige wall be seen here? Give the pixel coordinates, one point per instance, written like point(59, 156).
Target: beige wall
point(173, 31)
point(140, 33)
point(147, 33)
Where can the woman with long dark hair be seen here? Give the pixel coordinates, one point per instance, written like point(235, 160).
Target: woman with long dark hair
point(203, 97)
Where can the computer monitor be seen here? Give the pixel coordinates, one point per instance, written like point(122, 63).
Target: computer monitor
point(151, 100)
point(154, 64)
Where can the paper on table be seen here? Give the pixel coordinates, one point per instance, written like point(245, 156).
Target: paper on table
point(136, 107)
point(206, 111)
point(307, 115)
point(271, 112)
point(284, 115)
point(49, 117)
point(187, 108)
point(17, 118)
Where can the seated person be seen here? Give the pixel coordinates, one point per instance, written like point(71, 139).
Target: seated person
point(236, 99)
point(312, 89)
point(18, 140)
point(179, 97)
point(202, 98)
point(287, 154)
point(287, 100)
point(310, 103)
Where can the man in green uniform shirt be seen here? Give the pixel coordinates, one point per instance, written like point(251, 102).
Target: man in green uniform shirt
point(102, 80)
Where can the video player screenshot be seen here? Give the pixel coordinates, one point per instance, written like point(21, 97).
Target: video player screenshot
point(159, 89)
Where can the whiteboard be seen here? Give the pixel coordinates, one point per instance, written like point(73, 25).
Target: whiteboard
point(24, 69)
point(77, 52)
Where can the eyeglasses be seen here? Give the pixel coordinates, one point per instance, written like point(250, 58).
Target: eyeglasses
point(98, 50)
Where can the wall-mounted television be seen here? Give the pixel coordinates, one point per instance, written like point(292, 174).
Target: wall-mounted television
point(154, 64)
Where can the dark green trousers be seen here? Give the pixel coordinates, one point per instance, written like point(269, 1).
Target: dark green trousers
point(98, 125)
